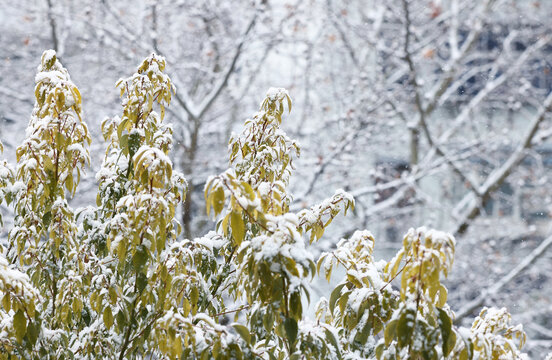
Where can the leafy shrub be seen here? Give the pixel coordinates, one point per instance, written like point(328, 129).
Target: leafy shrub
point(116, 281)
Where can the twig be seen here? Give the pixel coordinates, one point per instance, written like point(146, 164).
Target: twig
point(498, 285)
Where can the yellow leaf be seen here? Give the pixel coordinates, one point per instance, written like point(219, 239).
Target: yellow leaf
point(238, 227)
point(218, 200)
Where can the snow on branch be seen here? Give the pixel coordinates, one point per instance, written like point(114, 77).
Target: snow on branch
point(488, 293)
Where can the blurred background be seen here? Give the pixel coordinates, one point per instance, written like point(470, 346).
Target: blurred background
point(433, 113)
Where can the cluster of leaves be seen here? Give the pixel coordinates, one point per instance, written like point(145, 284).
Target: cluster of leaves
point(116, 281)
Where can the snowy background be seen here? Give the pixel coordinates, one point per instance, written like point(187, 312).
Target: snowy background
point(430, 113)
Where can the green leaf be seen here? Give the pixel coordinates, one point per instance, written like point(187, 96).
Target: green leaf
point(69, 182)
point(268, 321)
point(177, 347)
point(243, 331)
point(442, 295)
point(290, 325)
point(121, 127)
point(331, 338)
point(405, 326)
point(141, 282)
point(20, 325)
point(134, 141)
point(194, 296)
point(48, 164)
point(47, 218)
point(121, 320)
point(32, 332)
point(6, 302)
point(288, 102)
point(296, 308)
point(123, 142)
point(343, 300)
point(389, 332)
point(60, 140)
point(112, 295)
point(140, 258)
point(336, 293)
point(379, 351)
point(108, 317)
point(445, 325)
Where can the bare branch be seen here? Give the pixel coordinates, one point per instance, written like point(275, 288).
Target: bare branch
point(423, 113)
point(53, 26)
point(490, 87)
point(209, 99)
point(498, 176)
point(186, 102)
point(342, 34)
point(457, 56)
point(498, 285)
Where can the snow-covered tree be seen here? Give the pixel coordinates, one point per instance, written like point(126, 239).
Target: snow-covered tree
point(115, 280)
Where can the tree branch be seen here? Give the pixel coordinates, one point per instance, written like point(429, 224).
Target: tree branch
point(499, 175)
point(186, 102)
point(457, 55)
point(424, 112)
point(53, 27)
point(498, 285)
point(341, 32)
